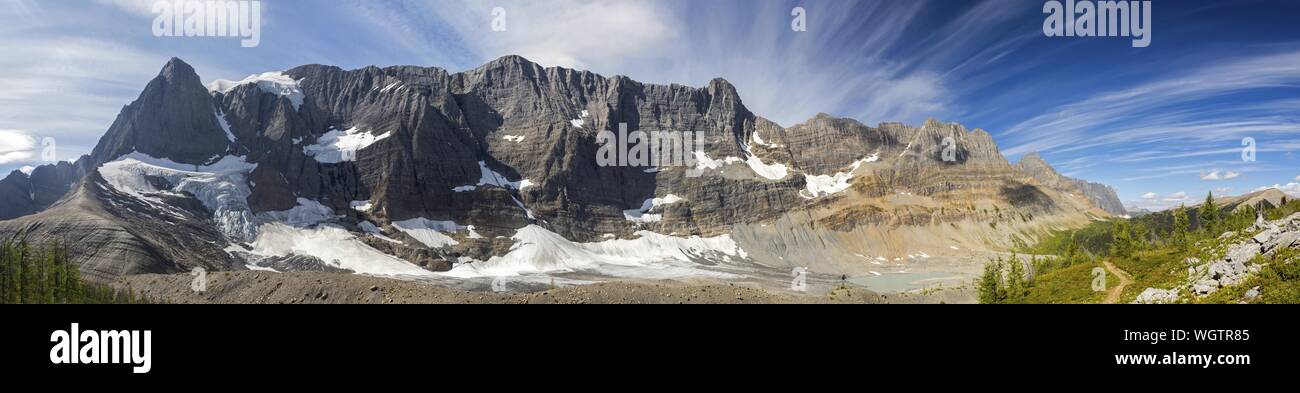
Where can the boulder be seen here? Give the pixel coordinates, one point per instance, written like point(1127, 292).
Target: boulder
point(1157, 296)
point(1205, 287)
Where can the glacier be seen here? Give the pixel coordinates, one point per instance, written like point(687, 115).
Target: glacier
point(221, 187)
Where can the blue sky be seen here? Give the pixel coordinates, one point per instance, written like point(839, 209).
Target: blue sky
point(1163, 124)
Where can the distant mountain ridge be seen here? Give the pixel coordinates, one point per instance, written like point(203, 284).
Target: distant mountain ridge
point(412, 170)
point(1101, 195)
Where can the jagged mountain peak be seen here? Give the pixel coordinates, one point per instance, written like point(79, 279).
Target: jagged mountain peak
point(1101, 195)
point(1035, 160)
point(174, 118)
point(510, 59)
point(177, 68)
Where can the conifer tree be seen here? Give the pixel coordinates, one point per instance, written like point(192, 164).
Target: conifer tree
point(1209, 214)
point(990, 282)
point(1180, 227)
point(1016, 286)
point(1121, 239)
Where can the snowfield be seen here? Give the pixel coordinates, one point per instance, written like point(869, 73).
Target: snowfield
point(538, 251)
point(274, 82)
point(332, 244)
point(639, 215)
point(338, 146)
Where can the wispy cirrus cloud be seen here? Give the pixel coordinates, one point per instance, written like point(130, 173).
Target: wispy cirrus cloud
point(1165, 110)
point(783, 75)
point(62, 87)
point(134, 7)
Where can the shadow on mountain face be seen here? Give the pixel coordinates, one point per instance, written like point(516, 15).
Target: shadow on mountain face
point(1026, 196)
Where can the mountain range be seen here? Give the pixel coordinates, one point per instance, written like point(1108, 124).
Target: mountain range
point(420, 172)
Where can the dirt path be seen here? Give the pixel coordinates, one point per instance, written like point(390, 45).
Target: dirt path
point(1112, 295)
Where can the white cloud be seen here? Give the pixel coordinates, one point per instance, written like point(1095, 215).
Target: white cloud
point(134, 7)
point(1223, 190)
point(566, 33)
point(15, 146)
point(1216, 175)
point(574, 34)
point(1156, 202)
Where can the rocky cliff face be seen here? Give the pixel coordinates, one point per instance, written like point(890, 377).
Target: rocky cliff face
point(1101, 195)
point(403, 170)
point(23, 194)
point(172, 119)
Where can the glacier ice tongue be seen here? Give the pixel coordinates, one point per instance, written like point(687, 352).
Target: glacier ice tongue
point(221, 187)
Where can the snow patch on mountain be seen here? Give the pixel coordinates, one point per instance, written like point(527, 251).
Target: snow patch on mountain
point(822, 185)
point(390, 87)
point(704, 162)
point(580, 120)
point(489, 177)
point(225, 126)
point(432, 233)
point(274, 82)
point(774, 171)
point(528, 212)
point(640, 215)
point(373, 230)
point(338, 146)
point(759, 140)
